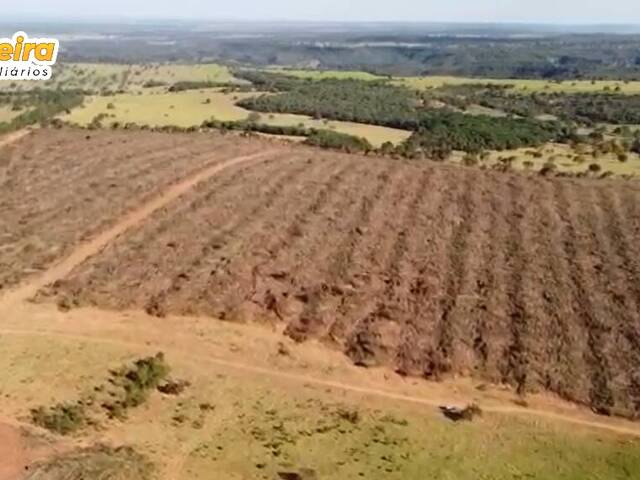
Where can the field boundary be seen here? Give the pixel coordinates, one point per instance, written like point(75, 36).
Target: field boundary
point(198, 360)
point(95, 245)
point(13, 137)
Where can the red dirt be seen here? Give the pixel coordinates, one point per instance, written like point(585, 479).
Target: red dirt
point(59, 187)
point(13, 457)
point(429, 269)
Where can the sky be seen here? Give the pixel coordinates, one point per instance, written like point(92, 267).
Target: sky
point(528, 11)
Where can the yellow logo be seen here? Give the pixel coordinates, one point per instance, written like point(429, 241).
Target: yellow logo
point(24, 58)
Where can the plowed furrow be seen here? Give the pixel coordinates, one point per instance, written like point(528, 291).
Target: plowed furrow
point(517, 353)
point(380, 259)
point(616, 272)
point(455, 274)
point(559, 336)
point(599, 396)
point(417, 343)
point(253, 276)
point(156, 252)
point(484, 279)
point(319, 290)
point(188, 287)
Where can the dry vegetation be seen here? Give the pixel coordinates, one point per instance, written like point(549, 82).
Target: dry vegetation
point(60, 186)
point(430, 270)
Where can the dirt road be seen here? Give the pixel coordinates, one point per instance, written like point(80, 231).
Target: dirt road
point(13, 137)
point(96, 244)
point(202, 359)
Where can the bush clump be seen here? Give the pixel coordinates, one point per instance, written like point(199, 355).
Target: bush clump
point(137, 381)
point(62, 418)
point(338, 141)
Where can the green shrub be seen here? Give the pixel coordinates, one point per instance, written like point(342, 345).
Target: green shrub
point(339, 141)
point(194, 85)
point(135, 384)
point(61, 418)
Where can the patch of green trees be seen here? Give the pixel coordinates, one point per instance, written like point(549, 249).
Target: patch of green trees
point(40, 106)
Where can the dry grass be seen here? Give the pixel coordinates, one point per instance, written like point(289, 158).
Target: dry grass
point(563, 157)
point(99, 462)
point(435, 81)
point(191, 108)
point(233, 425)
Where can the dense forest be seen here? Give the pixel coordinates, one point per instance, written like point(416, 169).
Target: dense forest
point(441, 132)
point(348, 100)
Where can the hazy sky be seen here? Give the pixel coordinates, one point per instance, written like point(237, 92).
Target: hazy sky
point(553, 11)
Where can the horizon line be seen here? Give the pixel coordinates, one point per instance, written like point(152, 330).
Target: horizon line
point(140, 17)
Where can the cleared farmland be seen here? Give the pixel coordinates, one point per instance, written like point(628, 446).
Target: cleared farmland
point(428, 269)
point(60, 186)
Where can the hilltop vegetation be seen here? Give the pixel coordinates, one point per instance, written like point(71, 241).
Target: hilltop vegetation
point(437, 132)
point(581, 108)
point(349, 100)
point(37, 106)
point(442, 132)
point(351, 111)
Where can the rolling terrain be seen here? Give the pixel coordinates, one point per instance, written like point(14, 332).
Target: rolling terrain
point(60, 187)
point(288, 244)
point(432, 271)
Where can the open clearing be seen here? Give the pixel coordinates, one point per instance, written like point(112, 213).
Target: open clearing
point(127, 77)
point(436, 81)
point(563, 157)
point(191, 108)
point(241, 420)
point(182, 109)
point(420, 268)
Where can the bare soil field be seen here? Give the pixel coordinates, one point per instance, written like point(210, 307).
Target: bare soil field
point(58, 187)
point(431, 270)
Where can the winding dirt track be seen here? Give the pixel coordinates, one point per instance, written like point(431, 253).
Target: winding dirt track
point(96, 244)
point(13, 137)
point(199, 360)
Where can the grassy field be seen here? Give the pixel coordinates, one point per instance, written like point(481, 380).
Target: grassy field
point(562, 156)
point(127, 77)
point(428, 82)
point(183, 109)
point(230, 424)
point(375, 134)
point(568, 86)
point(155, 107)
